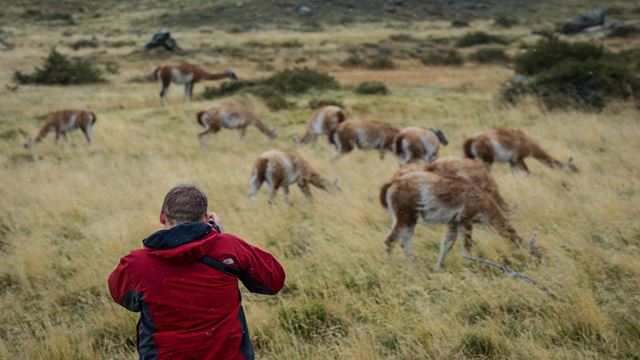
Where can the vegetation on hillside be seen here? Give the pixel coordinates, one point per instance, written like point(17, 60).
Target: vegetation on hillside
point(58, 69)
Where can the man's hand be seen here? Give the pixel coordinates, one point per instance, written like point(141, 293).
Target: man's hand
point(213, 217)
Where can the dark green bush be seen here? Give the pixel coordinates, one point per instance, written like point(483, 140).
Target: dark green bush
point(588, 84)
point(479, 38)
point(58, 69)
point(380, 62)
point(459, 23)
point(354, 60)
point(318, 103)
point(84, 43)
point(402, 38)
point(489, 55)
point(624, 31)
point(505, 21)
point(547, 53)
point(372, 88)
point(442, 57)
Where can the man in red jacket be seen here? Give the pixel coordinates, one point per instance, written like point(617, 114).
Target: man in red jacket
point(183, 283)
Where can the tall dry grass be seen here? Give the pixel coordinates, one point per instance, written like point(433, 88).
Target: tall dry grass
point(68, 212)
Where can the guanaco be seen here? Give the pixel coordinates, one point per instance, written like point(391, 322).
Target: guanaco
point(512, 146)
point(230, 116)
point(284, 167)
point(363, 134)
point(323, 121)
point(187, 74)
point(63, 122)
point(417, 143)
point(440, 199)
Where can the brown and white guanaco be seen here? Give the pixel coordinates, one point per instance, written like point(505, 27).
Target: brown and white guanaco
point(363, 134)
point(440, 199)
point(417, 143)
point(512, 146)
point(280, 168)
point(231, 116)
point(187, 74)
point(322, 122)
point(63, 122)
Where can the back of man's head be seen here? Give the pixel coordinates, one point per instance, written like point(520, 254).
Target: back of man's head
point(185, 203)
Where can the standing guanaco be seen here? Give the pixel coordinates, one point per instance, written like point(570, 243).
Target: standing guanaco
point(63, 122)
point(363, 134)
point(417, 143)
point(187, 74)
point(231, 116)
point(323, 121)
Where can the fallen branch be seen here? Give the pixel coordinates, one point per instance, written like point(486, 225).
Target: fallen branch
point(511, 273)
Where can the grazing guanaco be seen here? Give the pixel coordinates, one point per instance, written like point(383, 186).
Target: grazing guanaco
point(472, 170)
point(363, 134)
point(231, 116)
point(323, 121)
point(187, 74)
point(417, 143)
point(284, 167)
point(63, 122)
point(512, 146)
point(440, 199)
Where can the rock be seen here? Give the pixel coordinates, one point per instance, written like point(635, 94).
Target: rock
point(582, 22)
point(162, 38)
point(304, 10)
point(398, 2)
point(518, 79)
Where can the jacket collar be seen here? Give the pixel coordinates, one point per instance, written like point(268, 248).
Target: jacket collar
point(178, 235)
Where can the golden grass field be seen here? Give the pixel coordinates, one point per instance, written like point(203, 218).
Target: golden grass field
point(69, 212)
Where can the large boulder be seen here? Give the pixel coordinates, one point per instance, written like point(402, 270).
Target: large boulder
point(162, 38)
point(582, 22)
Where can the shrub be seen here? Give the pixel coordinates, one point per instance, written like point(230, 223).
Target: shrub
point(272, 98)
point(380, 62)
point(84, 43)
point(440, 57)
point(354, 60)
point(318, 103)
point(505, 21)
point(372, 88)
point(402, 38)
point(588, 84)
point(547, 53)
point(624, 31)
point(479, 38)
point(459, 23)
point(60, 70)
point(489, 55)
point(301, 80)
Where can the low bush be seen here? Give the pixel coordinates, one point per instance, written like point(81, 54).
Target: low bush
point(547, 53)
point(84, 43)
point(380, 63)
point(479, 38)
point(58, 69)
point(624, 31)
point(318, 103)
point(442, 57)
point(459, 23)
point(354, 60)
point(489, 55)
point(588, 84)
point(372, 88)
point(504, 21)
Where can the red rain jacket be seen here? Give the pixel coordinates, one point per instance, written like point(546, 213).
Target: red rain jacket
point(191, 310)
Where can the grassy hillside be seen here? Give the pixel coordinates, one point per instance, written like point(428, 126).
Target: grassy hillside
point(69, 212)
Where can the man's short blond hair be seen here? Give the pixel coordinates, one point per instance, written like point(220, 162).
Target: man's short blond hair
point(185, 203)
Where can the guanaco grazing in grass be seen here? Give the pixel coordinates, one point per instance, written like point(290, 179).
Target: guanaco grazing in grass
point(440, 199)
point(363, 134)
point(512, 146)
point(322, 122)
point(63, 122)
point(280, 168)
point(187, 74)
point(231, 116)
point(475, 171)
point(417, 143)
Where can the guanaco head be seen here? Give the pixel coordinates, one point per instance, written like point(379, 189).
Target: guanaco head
point(273, 133)
point(230, 74)
point(569, 165)
point(30, 143)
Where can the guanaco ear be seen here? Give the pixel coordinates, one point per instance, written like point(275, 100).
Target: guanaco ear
point(571, 166)
point(29, 143)
point(336, 183)
point(274, 133)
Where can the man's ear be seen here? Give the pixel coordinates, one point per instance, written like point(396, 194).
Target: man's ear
point(205, 218)
point(163, 218)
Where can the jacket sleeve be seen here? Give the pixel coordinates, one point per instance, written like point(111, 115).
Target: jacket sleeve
point(258, 270)
point(122, 288)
